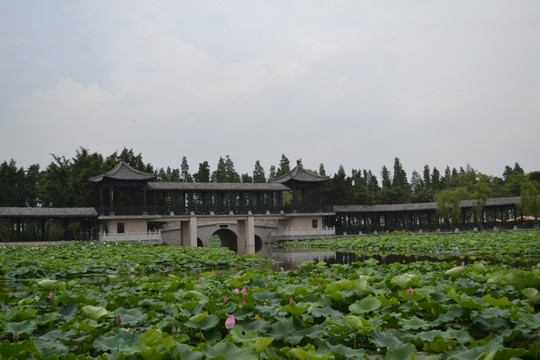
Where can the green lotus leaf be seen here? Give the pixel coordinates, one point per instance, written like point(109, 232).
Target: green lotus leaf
point(238, 334)
point(94, 312)
point(529, 321)
point(296, 309)
point(357, 323)
point(111, 341)
point(414, 323)
point(532, 294)
point(477, 352)
point(262, 343)
point(47, 284)
point(227, 350)
point(400, 352)
point(186, 352)
point(22, 327)
point(194, 294)
point(308, 354)
point(131, 317)
point(365, 305)
point(197, 319)
point(403, 280)
point(49, 343)
point(433, 335)
point(455, 271)
point(383, 339)
point(497, 302)
point(342, 350)
point(493, 312)
point(207, 323)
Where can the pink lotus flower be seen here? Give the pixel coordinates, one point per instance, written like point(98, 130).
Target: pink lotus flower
point(281, 268)
point(225, 298)
point(118, 320)
point(51, 294)
point(159, 293)
point(236, 291)
point(291, 301)
point(200, 278)
point(463, 263)
point(244, 302)
point(213, 272)
point(173, 329)
point(229, 323)
point(8, 310)
point(319, 286)
point(410, 290)
point(244, 291)
point(15, 335)
point(264, 285)
point(387, 293)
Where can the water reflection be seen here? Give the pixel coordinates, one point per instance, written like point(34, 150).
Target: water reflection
point(291, 258)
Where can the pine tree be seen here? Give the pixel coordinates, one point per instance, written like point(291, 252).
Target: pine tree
point(258, 173)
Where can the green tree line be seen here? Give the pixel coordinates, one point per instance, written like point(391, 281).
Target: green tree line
point(64, 182)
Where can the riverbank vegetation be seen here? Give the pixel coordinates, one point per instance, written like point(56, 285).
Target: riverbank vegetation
point(64, 182)
point(118, 300)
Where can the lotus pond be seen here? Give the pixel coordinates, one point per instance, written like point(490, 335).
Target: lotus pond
point(134, 301)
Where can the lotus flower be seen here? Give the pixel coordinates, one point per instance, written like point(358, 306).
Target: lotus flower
point(213, 272)
point(291, 301)
point(173, 329)
point(118, 320)
point(225, 298)
point(281, 268)
point(15, 335)
point(388, 293)
point(200, 278)
point(229, 323)
point(8, 310)
point(244, 302)
point(236, 291)
point(319, 286)
point(410, 290)
point(51, 294)
point(244, 291)
point(159, 293)
point(463, 263)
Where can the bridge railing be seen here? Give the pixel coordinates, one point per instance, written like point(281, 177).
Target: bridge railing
point(209, 210)
point(152, 237)
point(302, 232)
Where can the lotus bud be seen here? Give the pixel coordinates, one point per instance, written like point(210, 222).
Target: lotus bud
point(229, 323)
point(319, 286)
point(463, 263)
point(8, 310)
point(225, 298)
point(51, 294)
point(244, 291)
point(281, 268)
point(173, 329)
point(118, 319)
point(213, 272)
point(387, 293)
point(15, 335)
point(200, 278)
point(410, 290)
point(159, 293)
point(236, 291)
point(291, 301)
point(244, 302)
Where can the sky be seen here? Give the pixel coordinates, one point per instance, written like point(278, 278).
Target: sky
point(352, 83)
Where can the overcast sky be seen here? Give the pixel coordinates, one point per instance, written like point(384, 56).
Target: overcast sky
point(356, 83)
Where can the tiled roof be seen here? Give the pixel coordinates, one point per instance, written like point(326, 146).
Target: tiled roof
point(42, 212)
point(298, 174)
point(235, 187)
point(124, 172)
point(491, 202)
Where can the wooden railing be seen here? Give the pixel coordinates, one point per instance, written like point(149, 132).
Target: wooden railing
point(293, 233)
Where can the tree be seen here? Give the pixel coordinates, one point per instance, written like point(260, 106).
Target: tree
point(184, 171)
point(203, 175)
point(12, 184)
point(400, 176)
point(246, 178)
point(322, 171)
point(426, 177)
point(258, 173)
point(417, 184)
point(436, 180)
point(529, 200)
point(284, 166)
point(56, 183)
point(230, 174)
point(448, 204)
point(219, 175)
point(385, 176)
point(272, 172)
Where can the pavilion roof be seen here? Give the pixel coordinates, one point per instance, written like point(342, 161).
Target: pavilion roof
point(123, 172)
point(299, 175)
point(215, 187)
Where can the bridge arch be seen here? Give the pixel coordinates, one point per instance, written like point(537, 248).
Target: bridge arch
point(228, 238)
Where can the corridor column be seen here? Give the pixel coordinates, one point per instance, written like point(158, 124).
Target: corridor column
point(189, 232)
point(246, 236)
